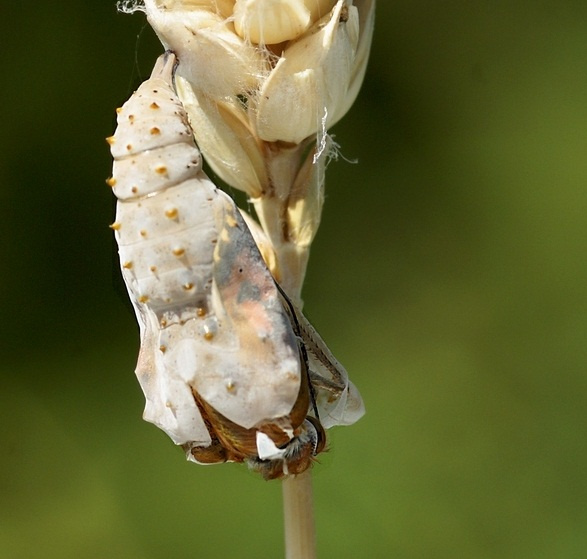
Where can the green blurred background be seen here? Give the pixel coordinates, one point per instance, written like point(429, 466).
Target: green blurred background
point(449, 276)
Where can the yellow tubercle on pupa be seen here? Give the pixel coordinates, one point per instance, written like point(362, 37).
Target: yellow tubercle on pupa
point(115, 226)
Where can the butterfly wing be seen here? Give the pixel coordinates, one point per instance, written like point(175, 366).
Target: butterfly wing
point(259, 372)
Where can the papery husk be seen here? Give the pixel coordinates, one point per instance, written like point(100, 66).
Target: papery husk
point(269, 22)
point(225, 139)
point(300, 96)
point(211, 56)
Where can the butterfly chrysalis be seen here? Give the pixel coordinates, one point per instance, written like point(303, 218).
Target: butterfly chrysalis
point(230, 369)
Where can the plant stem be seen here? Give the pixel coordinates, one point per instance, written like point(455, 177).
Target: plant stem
point(288, 185)
point(298, 515)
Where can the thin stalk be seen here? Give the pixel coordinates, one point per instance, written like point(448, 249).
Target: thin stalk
point(283, 165)
point(292, 260)
point(298, 516)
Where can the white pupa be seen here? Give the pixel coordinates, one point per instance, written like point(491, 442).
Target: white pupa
point(229, 368)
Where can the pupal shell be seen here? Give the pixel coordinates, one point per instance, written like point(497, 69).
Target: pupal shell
point(210, 315)
point(226, 362)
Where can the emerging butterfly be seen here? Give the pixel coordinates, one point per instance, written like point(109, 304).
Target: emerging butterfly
point(230, 369)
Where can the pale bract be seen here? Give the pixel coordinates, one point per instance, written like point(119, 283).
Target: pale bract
point(234, 153)
point(274, 21)
point(310, 80)
point(210, 53)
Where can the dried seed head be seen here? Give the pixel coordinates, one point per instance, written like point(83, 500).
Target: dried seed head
point(239, 93)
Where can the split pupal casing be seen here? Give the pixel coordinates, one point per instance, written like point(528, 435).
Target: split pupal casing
point(219, 363)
